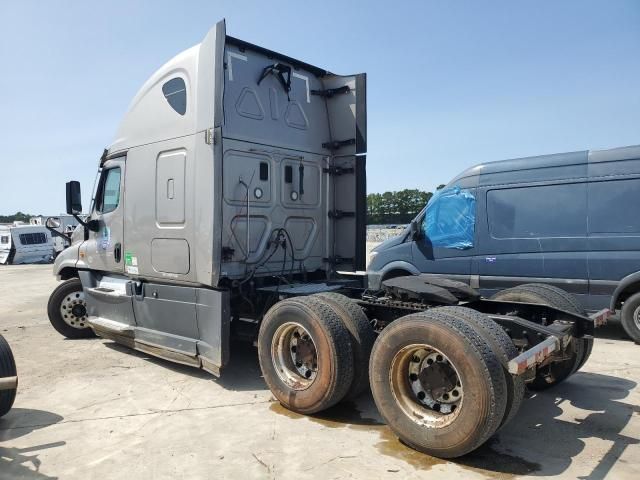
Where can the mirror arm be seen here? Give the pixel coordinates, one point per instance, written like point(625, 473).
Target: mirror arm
point(63, 235)
point(90, 225)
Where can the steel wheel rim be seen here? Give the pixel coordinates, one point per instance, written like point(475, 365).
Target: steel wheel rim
point(407, 379)
point(636, 318)
point(73, 310)
point(294, 356)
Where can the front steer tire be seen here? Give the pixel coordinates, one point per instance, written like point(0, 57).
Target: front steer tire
point(478, 372)
point(7, 369)
point(65, 292)
point(325, 352)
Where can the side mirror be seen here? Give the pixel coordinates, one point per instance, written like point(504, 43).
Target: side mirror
point(415, 230)
point(74, 198)
point(52, 222)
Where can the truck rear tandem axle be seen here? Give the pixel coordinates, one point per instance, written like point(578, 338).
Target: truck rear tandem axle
point(447, 368)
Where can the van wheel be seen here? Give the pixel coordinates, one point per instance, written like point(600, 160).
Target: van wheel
point(437, 383)
point(630, 317)
point(305, 354)
point(557, 298)
point(362, 337)
point(504, 348)
point(7, 369)
point(67, 310)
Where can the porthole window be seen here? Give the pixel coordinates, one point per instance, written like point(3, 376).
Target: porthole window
point(175, 91)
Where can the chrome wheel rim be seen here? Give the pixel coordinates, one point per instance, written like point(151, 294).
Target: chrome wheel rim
point(636, 318)
point(426, 385)
point(294, 356)
point(73, 310)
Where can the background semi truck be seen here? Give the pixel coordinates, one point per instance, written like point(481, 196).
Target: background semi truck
point(232, 205)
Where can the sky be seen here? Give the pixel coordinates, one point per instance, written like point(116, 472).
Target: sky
point(449, 83)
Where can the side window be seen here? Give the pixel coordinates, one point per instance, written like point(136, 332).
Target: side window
point(450, 218)
point(608, 206)
point(4, 239)
point(546, 211)
point(108, 196)
point(33, 238)
point(175, 91)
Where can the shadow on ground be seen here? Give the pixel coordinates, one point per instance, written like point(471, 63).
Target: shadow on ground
point(241, 374)
point(537, 442)
point(23, 462)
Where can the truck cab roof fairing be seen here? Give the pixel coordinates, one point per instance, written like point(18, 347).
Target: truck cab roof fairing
point(151, 118)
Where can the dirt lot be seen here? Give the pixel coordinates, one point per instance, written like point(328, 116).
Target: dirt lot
point(91, 409)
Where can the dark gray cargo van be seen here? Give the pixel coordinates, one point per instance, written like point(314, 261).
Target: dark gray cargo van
point(566, 219)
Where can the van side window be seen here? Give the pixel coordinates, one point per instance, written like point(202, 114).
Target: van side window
point(546, 211)
point(450, 219)
point(109, 191)
point(609, 206)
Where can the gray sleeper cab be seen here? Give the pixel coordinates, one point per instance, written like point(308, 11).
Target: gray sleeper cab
point(226, 152)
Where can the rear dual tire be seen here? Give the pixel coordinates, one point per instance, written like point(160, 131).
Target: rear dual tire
point(409, 399)
point(361, 335)
point(305, 354)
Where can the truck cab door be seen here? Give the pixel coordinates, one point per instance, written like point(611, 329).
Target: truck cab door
point(103, 250)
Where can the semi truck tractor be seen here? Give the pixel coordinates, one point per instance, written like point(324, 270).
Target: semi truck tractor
point(232, 204)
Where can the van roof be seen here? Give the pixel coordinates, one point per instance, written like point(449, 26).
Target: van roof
point(550, 160)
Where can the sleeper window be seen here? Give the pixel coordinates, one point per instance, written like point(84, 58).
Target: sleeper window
point(175, 91)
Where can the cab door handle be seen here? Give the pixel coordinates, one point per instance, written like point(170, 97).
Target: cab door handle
point(117, 252)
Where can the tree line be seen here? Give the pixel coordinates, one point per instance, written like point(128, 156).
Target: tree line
point(396, 207)
point(16, 217)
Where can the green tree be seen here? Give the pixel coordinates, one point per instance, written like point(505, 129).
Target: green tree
point(395, 207)
point(16, 217)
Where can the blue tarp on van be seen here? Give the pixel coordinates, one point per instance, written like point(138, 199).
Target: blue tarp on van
point(450, 219)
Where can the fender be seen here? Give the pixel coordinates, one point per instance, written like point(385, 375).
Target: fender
point(375, 278)
point(67, 260)
point(624, 286)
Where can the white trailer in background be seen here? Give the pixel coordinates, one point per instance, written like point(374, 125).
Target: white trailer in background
point(25, 244)
point(61, 228)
